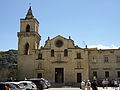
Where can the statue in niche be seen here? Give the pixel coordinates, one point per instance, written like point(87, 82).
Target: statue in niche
point(39, 66)
point(78, 64)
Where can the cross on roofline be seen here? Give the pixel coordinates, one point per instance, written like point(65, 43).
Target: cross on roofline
point(30, 4)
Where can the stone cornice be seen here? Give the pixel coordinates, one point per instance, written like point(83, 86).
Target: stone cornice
point(59, 61)
point(27, 34)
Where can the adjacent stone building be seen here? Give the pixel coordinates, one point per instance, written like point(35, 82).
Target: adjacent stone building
point(60, 61)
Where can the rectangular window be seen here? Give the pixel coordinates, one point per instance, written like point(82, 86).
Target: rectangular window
point(39, 56)
point(39, 75)
point(106, 74)
point(78, 55)
point(118, 58)
point(118, 74)
point(105, 59)
point(95, 74)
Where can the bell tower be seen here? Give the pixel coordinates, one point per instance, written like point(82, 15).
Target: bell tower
point(28, 36)
point(28, 42)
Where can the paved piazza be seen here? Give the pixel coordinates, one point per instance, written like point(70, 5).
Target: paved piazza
point(100, 88)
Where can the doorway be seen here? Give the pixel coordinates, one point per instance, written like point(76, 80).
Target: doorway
point(79, 77)
point(59, 75)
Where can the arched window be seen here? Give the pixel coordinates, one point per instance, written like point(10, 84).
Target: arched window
point(65, 52)
point(52, 53)
point(26, 49)
point(28, 28)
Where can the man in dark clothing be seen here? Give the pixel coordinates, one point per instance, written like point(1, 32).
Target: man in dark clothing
point(94, 85)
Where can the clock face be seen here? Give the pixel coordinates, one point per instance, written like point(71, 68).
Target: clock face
point(59, 43)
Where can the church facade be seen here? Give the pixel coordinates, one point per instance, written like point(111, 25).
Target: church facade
point(60, 61)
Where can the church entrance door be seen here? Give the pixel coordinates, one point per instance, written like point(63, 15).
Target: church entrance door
point(59, 75)
point(79, 77)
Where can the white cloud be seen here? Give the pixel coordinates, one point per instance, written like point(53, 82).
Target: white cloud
point(100, 46)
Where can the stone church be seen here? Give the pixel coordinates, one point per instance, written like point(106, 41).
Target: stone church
point(60, 61)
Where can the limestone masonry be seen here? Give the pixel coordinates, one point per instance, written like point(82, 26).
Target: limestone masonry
point(60, 61)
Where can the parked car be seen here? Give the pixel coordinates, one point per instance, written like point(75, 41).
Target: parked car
point(11, 86)
point(19, 85)
point(39, 83)
point(29, 85)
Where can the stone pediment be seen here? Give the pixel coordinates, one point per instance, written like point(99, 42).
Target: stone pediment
point(59, 42)
point(59, 36)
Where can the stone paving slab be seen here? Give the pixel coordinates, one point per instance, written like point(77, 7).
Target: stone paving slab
point(99, 88)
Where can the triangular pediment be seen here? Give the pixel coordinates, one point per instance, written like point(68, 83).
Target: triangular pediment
point(59, 36)
point(66, 42)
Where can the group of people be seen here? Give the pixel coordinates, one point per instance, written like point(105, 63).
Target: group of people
point(89, 85)
point(104, 83)
point(113, 83)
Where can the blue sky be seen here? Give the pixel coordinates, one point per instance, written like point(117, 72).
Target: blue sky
point(95, 22)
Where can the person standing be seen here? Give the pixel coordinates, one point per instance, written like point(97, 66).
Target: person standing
point(103, 83)
point(83, 85)
point(119, 85)
point(112, 83)
point(94, 85)
point(115, 84)
point(7, 87)
point(88, 84)
point(106, 83)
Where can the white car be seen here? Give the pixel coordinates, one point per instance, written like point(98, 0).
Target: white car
point(18, 85)
point(3, 85)
point(29, 85)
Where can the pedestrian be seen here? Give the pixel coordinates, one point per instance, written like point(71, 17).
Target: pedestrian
point(106, 83)
point(112, 83)
point(83, 85)
point(7, 87)
point(115, 84)
point(103, 83)
point(94, 85)
point(119, 85)
point(88, 85)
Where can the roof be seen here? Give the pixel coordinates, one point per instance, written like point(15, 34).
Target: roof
point(34, 79)
point(29, 14)
point(25, 81)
